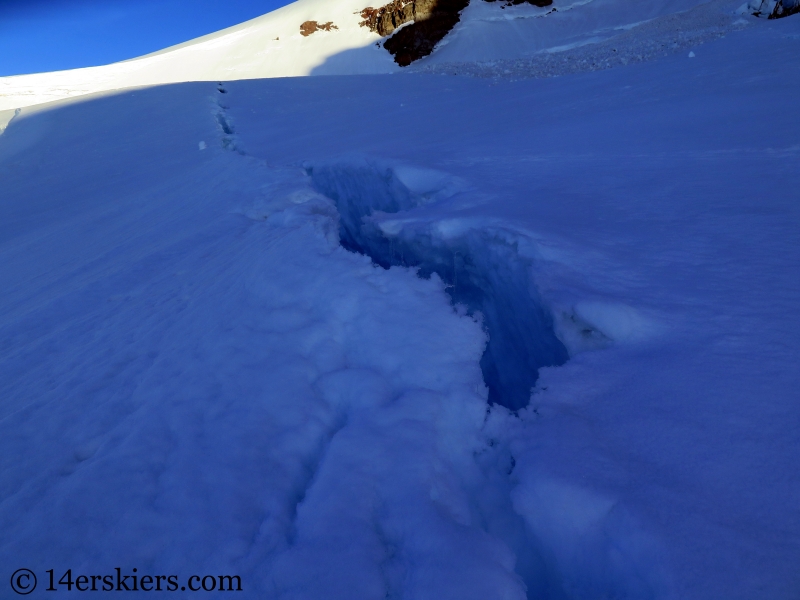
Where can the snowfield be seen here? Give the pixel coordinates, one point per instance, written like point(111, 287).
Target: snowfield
point(414, 335)
point(274, 45)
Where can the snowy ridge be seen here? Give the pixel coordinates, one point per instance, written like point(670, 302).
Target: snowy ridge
point(273, 46)
point(268, 46)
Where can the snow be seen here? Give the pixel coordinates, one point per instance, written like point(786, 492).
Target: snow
point(609, 45)
point(272, 45)
point(413, 336)
point(268, 46)
point(486, 33)
point(615, 321)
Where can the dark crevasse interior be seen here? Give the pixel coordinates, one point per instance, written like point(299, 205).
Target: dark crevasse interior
point(482, 271)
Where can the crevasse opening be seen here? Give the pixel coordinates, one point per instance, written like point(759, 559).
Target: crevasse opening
point(483, 272)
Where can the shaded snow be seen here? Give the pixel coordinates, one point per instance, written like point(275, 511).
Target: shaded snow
point(484, 273)
point(198, 375)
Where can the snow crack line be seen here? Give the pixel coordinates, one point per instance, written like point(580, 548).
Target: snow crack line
point(484, 273)
point(228, 137)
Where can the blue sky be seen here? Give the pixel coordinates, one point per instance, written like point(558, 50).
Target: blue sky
point(47, 35)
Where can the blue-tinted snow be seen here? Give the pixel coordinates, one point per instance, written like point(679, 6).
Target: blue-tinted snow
point(197, 377)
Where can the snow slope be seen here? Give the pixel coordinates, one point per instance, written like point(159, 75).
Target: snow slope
point(268, 46)
point(208, 369)
point(272, 45)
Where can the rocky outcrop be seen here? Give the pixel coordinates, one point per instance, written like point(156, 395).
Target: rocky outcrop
point(772, 9)
point(784, 8)
point(386, 19)
point(309, 27)
point(421, 23)
point(428, 22)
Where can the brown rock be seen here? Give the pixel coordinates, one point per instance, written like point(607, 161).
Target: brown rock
point(432, 20)
point(309, 27)
point(386, 19)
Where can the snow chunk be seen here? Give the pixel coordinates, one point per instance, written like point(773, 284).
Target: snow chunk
point(429, 184)
point(618, 322)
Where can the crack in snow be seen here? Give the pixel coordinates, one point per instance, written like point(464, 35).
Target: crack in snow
point(484, 272)
point(229, 139)
point(488, 277)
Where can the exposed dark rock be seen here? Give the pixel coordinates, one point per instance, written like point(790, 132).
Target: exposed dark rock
point(430, 20)
point(309, 27)
point(773, 9)
point(386, 19)
point(785, 8)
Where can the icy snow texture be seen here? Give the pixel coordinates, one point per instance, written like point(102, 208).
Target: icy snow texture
point(639, 42)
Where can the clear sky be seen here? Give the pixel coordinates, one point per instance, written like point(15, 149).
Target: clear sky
point(48, 35)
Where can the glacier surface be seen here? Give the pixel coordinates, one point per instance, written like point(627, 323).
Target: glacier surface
point(412, 336)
